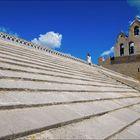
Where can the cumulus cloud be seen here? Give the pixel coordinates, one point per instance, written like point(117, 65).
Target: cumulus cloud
point(50, 39)
point(108, 52)
point(8, 31)
point(134, 3)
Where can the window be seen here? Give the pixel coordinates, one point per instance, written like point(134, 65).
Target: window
point(121, 49)
point(136, 30)
point(131, 48)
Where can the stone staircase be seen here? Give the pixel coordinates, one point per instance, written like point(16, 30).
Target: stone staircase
point(46, 94)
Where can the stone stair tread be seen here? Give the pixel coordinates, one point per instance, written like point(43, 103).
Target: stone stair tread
point(128, 101)
point(45, 70)
point(46, 78)
point(58, 64)
point(22, 84)
point(14, 67)
point(48, 62)
point(50, 116)
point(132, 132)
point(100, 127)
point(38, 52)
point(28, 99)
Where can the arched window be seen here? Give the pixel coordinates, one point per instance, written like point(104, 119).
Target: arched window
point(136, 30)
point(131, 48)
point(121, 49)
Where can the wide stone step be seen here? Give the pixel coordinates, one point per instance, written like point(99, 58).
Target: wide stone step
point(43, 118)
point(53, 76)
point(3, 60)
point(44, 63)
point(6, 84)
point(112, 73)
point(40, 53)
point(9, 74)
point(48, 62)
point(47, 67)
point(54, 60)
point(14, 99)
point(93, 69)
point(29, 69)
point(123, 79)
point(132, 131)
point(101, 127)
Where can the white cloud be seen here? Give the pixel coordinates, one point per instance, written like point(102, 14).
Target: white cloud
point(8, 31)
point(50, 39)
point(135, 3)
point(108, 52)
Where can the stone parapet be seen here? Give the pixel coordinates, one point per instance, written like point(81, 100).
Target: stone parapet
point(26, 43)
point(125, 59)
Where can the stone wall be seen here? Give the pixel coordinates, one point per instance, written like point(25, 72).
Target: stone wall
point(125, 65)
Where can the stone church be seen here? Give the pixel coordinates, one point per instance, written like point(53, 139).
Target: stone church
point(126, 58)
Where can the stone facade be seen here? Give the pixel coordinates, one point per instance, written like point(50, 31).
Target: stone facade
point(130, 69)
point(125, 44)
point(126, 58)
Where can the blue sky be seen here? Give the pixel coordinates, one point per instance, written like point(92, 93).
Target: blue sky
point(77, 27)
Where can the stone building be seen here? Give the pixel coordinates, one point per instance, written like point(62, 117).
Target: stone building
point(126, 58)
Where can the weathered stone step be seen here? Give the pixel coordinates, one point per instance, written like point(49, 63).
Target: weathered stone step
point(43, 118)
point(44, 63)
point(34, 62)
point(132, 131)
point(51, 76)
point(69, 95)
point(41, 53)
point(56, 60)
point(47, 61)
point(101, 127)
point(136, 108)
point(50, 68)
point(45, 86)
point(122, 78)
point(12, 100)
point(106, 71)
point(55, 57)
point(9, 74)
point(37, 66)
point(51, 72)
point(13, 67)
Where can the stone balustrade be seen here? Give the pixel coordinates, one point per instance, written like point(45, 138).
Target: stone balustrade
point(126, 59)
point(20, 41)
